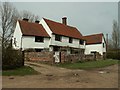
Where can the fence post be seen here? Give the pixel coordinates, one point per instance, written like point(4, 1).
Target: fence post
point(60, 56)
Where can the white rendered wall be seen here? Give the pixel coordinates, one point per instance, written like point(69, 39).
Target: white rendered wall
point(93, 47)
point(29, 42)
point(65, 42)
point(96, 47)
point(103, 41)
point(18, 35)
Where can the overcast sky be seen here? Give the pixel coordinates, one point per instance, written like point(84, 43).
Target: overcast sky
point(88, 17)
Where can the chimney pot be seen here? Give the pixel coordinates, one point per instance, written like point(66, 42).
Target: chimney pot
point(37, 21)
point(64, 20)
point(25, 19)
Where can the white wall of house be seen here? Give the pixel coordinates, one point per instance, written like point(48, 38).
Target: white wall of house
point(26, 42)
point(95, 47)
point(29, 42)
point(65, 42)
point(103, 41)
point(17, 35)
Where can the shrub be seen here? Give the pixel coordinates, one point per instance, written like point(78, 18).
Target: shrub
point(113, 54)
point(11, 58)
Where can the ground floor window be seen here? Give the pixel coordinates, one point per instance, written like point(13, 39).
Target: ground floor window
point(39, 39)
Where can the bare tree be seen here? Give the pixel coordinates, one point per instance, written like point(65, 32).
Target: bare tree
point(29, 15)
point(8, 18)
point(115, 35)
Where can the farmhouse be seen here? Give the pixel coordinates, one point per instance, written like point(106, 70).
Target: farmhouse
point(54, 36)
point(47, 34)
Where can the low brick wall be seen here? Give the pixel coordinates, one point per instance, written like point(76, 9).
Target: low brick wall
point(46, 56)
point(69, 57)
point(43, 56)
point(76, 57)
point(90, 57)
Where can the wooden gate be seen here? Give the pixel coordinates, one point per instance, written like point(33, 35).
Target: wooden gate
point(57, 56)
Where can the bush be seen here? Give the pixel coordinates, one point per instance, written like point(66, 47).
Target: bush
point(11, 59)
point(113, 54)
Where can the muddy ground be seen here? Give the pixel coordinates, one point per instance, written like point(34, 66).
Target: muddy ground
point(56, 77)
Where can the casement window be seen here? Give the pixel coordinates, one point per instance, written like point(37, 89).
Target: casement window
point(103, 45)
point(39, 39)
point(70, 40)
point(58, 37)
point(81, 42)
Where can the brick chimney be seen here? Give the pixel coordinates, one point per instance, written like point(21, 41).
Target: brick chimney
point(25, 19)
point(64, 20)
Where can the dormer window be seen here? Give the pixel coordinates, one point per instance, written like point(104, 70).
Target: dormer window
point(39, 39)
point(58, 37)
point(70, 40)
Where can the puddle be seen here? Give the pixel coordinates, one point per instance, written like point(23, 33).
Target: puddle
point(102, 72)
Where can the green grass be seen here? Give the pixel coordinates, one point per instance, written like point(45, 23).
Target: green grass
point(89, 65)
point(25, 70)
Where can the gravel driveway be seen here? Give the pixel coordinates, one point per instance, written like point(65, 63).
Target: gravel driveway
point(56, 77)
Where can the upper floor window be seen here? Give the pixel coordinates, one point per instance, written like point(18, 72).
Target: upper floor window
point(103, 45)
point(70, 40)
point(81, 42)
point(39, 39)
point(58, 37)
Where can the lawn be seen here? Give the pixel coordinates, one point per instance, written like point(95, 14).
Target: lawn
point(25, 70)
point(89, 65)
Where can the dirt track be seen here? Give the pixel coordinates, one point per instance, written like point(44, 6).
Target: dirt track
point(55, 77)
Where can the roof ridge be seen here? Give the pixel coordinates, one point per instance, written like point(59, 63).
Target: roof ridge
point(66, 30)
point(59, 23)
point(93, 34)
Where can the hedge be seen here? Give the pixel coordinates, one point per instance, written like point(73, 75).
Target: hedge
point(11, 59)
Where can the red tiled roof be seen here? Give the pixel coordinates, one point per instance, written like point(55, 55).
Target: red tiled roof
point(93, 39)
point(61, 29)
point(32, 29)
